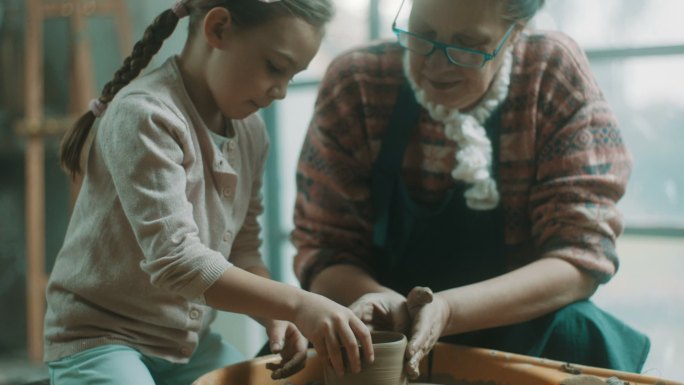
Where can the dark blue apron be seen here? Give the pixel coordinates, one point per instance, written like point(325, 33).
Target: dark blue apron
point(441, 247)
point(451, 245)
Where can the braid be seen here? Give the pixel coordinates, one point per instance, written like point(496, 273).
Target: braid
point(143, 51)
point(249, 13)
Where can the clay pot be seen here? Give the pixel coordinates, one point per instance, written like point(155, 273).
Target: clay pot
point(387, 369)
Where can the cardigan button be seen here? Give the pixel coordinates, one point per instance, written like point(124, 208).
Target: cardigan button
point(228, 236)
point(194, 314)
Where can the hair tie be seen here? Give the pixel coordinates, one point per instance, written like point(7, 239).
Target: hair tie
point(180, 9)
point(97, 107)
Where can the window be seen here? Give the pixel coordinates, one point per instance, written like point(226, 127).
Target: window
point(637, 53)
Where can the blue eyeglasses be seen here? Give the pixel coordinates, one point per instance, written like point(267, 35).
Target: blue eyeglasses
point(464, 57)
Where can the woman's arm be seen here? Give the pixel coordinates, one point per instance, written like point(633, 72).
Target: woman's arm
point(344, 284)
point(520, 295)
point(333, 214)
point(376, 305)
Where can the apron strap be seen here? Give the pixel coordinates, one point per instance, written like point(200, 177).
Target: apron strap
point(388, 164)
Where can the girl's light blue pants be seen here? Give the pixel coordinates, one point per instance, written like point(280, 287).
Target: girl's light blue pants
point(123, 365)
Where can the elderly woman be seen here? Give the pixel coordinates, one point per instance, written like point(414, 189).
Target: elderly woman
point(476, 160)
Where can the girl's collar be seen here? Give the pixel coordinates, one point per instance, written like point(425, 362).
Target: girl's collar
point(474, 154)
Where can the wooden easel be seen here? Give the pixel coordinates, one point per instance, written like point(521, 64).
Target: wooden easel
point(35, 127)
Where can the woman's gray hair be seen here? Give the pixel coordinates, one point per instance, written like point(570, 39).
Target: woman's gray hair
point(521, 10)
point(252, 13)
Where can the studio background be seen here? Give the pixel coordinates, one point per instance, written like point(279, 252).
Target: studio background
point(636, 48)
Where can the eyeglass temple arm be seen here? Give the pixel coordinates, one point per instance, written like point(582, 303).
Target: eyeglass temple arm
point(394, 22)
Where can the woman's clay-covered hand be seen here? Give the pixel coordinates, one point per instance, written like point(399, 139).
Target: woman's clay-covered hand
point(285, 339)
point(332, 329)
point(383, 311)
point(429, 314)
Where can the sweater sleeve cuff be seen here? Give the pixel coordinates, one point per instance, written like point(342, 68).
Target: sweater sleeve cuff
point(205, 279)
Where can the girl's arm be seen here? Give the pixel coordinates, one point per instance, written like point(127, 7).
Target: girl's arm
point(327, 325)
point(283, 338)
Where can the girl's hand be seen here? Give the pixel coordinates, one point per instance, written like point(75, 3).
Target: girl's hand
point(332, 328)
point(430, 315)
point(383, 311)
point(285, 339)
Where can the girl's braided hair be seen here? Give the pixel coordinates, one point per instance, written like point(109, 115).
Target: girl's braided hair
point(245, 14)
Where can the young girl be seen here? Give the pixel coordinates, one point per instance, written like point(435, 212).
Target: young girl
point(165, 228)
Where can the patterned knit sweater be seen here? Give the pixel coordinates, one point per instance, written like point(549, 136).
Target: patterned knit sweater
point(562, 164)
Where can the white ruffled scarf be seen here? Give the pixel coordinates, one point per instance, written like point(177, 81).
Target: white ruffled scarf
point(474, 155)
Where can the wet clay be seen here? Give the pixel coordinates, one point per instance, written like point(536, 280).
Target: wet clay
point(387, 369)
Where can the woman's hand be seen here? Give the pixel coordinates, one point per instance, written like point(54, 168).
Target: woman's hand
point(383, 311)
point(430, 315)
point(332, 328)
point(285, 339)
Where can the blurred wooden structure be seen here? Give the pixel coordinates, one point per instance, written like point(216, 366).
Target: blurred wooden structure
point(35, 127)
